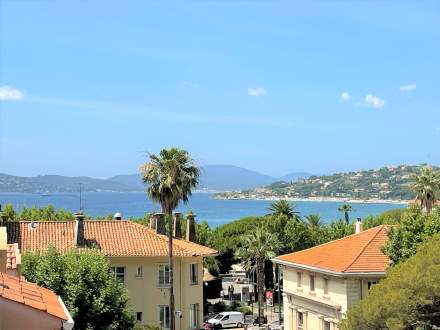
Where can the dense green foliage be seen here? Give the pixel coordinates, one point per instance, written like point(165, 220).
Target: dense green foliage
point(408, 298)
point(384, 183)
point(46, 213)
point(415, 227)
point(86, 285)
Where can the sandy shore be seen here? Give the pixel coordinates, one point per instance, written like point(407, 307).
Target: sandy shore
point(323, 199)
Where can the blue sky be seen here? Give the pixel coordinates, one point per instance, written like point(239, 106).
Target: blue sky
point(87, 87)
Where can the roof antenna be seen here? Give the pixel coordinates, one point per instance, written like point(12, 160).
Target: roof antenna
point(80, 196)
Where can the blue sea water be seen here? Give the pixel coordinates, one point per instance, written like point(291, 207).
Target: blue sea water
point(215, 211)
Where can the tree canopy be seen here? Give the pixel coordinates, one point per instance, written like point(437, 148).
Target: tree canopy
point(85, 283)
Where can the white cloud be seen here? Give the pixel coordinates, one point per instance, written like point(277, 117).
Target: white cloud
point(8, 93)
point(190, 84)
point(345, 97)
point(408, 88)
point(256, 91)
point(372, 101)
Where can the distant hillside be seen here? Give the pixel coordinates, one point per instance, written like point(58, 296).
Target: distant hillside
point(57, 183)
point(213, 177)
point(385, 183)
point(131, 180)
point(221, 177)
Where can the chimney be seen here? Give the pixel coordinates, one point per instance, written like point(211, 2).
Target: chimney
point(117, 216)
point(177, 232)
point(190, 227)
point(79, 229)
point(3, 249)
point(153, 221)
point(160, 224)
point(358, 226)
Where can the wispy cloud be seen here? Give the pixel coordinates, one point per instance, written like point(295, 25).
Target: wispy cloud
point(345, 97)
point(256, 91)
point(114, 111)
point(372, 101)
point(408, 88)
point(189, 84)
point(8, 93)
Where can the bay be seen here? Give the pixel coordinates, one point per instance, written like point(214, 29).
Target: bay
point(215, 211)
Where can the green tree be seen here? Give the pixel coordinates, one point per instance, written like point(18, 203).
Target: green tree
point(86, 285)
point(170, 176)
point(283, 207)
point(313, 220)
point(426, 185)
point(258, 246)
point(346, 209)
point(8, 214)
point(408, 298)
point(414, 228)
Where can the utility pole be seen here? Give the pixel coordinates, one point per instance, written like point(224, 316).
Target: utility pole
point(80, 196)
point(279, 293)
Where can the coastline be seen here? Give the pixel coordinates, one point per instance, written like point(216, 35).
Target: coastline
point(321, 199)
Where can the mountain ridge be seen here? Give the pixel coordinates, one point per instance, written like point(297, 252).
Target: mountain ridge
point(213, 177)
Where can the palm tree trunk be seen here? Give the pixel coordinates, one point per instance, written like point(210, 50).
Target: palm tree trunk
point(170, 266)
point(347, 219)
point(260, 289)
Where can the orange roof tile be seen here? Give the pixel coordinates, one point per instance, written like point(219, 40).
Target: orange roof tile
point(357, 253)
point(31, 295)
point(112, 237)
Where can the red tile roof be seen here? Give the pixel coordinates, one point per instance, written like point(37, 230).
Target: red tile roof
point(11, 256)
point(31, 295)
point(358, 253)
point(112, 237)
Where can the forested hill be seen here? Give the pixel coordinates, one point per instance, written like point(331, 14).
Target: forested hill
point(391, 182)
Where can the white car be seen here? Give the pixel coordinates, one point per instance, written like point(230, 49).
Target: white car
point(227, 320)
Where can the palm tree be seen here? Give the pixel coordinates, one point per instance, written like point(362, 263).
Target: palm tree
point(283, 207)
point(171, 176)
point(313, 220)
point(346, 208)
point(426, 185)
point(257, 247)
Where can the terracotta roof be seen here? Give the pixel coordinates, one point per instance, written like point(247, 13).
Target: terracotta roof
point(31, 295)
point(112, 237)
point(357, 253)
point(12, 254)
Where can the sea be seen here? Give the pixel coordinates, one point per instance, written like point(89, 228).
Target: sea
point(215, 211)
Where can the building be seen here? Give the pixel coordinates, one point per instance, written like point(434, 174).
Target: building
point(323, 282)
point(139, 257)
point(25, 305)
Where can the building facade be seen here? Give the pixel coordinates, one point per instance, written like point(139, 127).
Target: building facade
point(322, 283)
point(138, 256)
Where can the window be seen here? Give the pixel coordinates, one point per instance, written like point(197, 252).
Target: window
point(164, 317)
point(300, 321)
point(312, 283)
point(139, 272)
point(298, 279)
point(193, 315)
point(139, 316)
point(194, 273)
point(325, 285)
point(164, 275)
point(119, 275)
point(326, 325)
point(370, 284)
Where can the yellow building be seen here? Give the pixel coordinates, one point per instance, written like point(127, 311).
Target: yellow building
point(138, 255)
point(322, 283)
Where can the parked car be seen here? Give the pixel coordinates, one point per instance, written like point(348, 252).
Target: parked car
point(227, 320)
